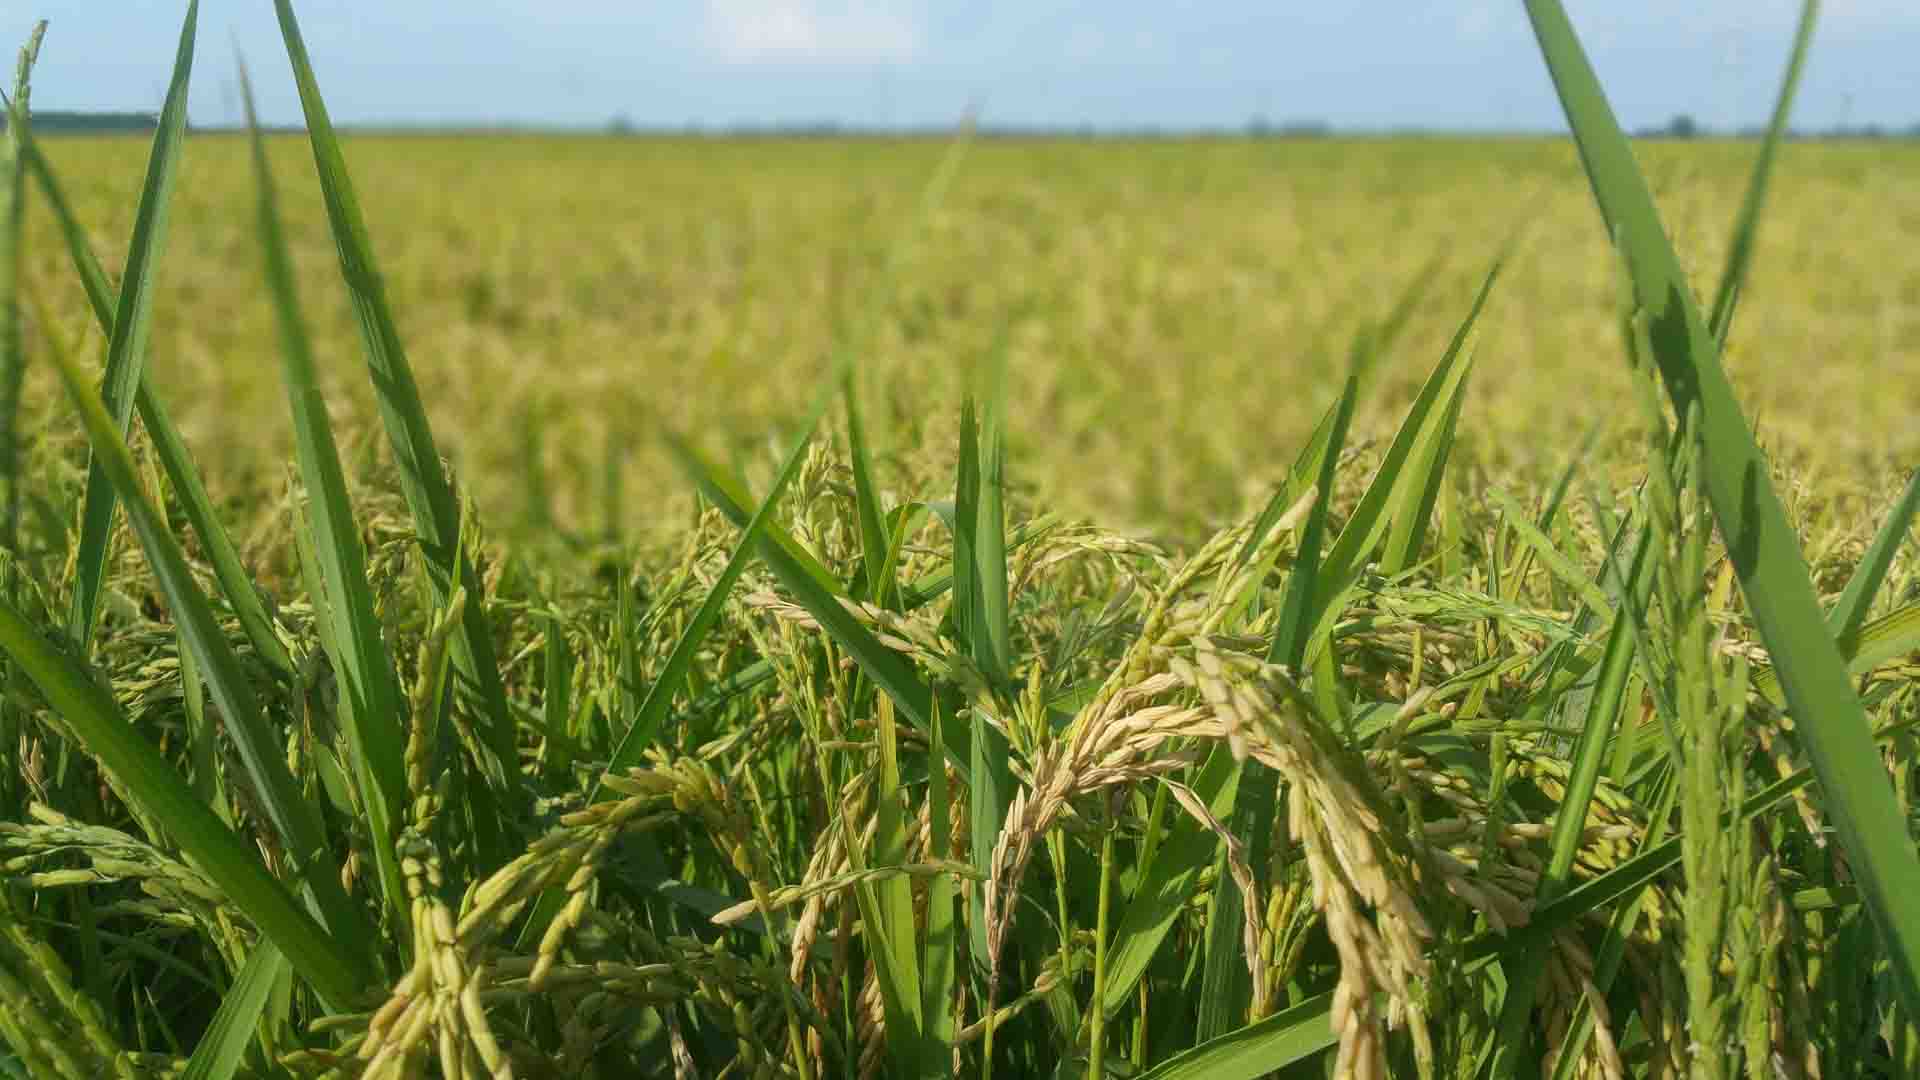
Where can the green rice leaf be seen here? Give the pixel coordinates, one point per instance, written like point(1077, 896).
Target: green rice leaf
point(223, 1047)
point(730, 497)
point(132, 323)
point(1408, 478)
point(653, 709)
point(1257, 1049)
point(429, 495)
point(1850, 611)
point(1558, 564)
point(337, 973)
point(373, 705)
point(976, 575)
point(874, 585)
point(292, 817)
point(1760, 542)
point(888, 669)
point(992, 640)
point(1167, 879)
point(937, 966)
point(1745, 227)
point(236, 584)
point(1296, 610)
point(13, 357)
point(886, 909)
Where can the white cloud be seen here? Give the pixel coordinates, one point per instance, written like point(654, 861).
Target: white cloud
point(810, 31)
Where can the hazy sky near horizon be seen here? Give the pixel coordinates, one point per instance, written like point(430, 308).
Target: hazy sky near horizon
point(1446, 64)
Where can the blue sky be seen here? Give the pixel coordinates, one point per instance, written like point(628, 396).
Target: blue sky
point(1450, 64)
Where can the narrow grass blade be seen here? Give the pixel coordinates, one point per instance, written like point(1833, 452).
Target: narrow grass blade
point(1226, 990)
point(992, 644)
point(429, 495)
point(1886, 638)
point(653, 709)
point(336, 972)
point(132, 322)
point(730, 497)
point(1296, 609)
point(374, 705)
point(13, 357)
point(937, 966)
point(990, 782)
point(1257, 1049)
point(966, 530)
point(13, 369)
point(886, 909)
point(874, 585)
point(1570, 817)
point(223, 1047)
point(235, 583)
point(1426, 472)
point(1760, 541)
point(1306, 467)
point(888, 669)
point(556, 701)
point(1745, 227)
point(1850, 611)
point(1167, 879)
point(262, 755)
point(1558, 564)
point(1398, 489)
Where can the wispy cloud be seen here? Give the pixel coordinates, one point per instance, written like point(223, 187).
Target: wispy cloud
point(811, 31)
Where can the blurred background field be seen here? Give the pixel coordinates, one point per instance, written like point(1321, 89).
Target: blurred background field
point(1179, 312)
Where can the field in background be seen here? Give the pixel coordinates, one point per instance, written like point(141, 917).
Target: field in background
point(1180, 312)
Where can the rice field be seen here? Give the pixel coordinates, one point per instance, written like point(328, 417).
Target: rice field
point(1203, 609)
point(1178, 314)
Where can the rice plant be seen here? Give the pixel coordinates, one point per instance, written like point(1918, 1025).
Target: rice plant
point(873, 765)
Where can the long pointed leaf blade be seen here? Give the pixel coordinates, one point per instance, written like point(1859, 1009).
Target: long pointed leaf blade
point(132, 322)
point(1167, 881)
point(363, 668)
point(262, 757)
point(429, 495)
point(653, 709)
point(13, 357)
point(731, 498)
point(1296, 608)
point(888, 669)
point(1850, 611)
point(1388, 494)
point(993, 648)
point(866, 498)
point(223, 1047)
point(1747, 225)
point(168, 446)
point(891, 940)
point(1258, 1049)
point(937, 966)
point(1760, 541)
point(227, 860)
point(966, 530)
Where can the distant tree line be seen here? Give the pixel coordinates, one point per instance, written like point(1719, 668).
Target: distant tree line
point(1684, 126)
point(1681, 126)
point(54, 122)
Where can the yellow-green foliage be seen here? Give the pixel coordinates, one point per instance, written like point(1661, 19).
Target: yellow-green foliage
point(1180, 311)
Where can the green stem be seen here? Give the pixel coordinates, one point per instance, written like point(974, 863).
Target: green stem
point(1096, 1051)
